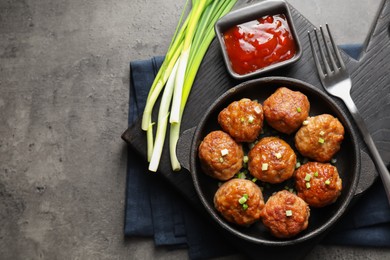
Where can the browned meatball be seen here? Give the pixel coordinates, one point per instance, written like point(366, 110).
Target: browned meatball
point(220, 156)
point(318, 184)
point(239, 201)
point(272, 160)
point(320, 137)
point(285, 110)
point(243, 120)
point(285, 214)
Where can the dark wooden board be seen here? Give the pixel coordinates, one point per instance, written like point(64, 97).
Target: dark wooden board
point(370, 91)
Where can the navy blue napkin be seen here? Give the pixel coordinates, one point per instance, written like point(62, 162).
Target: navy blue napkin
point(153, 209)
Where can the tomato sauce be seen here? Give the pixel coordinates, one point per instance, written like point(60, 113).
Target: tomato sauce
point(259, 43)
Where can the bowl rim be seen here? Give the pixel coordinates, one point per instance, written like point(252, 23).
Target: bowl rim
point(250, 13)
point(336, 215)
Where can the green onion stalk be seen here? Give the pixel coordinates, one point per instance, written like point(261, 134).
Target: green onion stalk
point(204, 36)
point(177, 74)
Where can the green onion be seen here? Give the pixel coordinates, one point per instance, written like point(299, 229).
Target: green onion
point(244, 206)
point(220, 159)
point(278, 155)
point(308, 185)
point(224, 152)
point(316, 174)
point(254, 179)
point(177, 74)
point(321, 140)
point(299, 110)
point(288, 213)
point(250, 119)
point(306, 122)
point(297, 165)
point(264, 166)
point(241, 175)
point(307, 177)
point(243, 199)
point(245, 159)
point(333, 161)
point(327, 182)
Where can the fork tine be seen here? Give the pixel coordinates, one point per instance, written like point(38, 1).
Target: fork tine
point(324, 60)
point(335, 49)
point(330, 55)
point(317, 62)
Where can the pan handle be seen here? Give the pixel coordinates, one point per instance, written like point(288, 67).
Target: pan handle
point(183, 149)
point(368, 173)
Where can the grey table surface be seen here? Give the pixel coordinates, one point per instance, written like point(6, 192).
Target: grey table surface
point(64, 79)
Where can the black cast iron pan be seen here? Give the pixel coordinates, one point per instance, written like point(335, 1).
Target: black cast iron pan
point(348, 159)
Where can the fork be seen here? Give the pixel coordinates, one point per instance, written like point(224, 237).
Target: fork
point(337, 82)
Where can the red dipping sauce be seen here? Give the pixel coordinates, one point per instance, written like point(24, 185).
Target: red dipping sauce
point(259, 43)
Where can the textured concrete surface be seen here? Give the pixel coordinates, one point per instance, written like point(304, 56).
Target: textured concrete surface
point(63, 106)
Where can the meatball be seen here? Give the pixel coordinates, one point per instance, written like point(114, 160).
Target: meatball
point(239, 201)
point(220, 156)
point(243, 120)
point(320, 137)
point(271, 160)
point(318, 184)
point(285, 110)
point(285, 214)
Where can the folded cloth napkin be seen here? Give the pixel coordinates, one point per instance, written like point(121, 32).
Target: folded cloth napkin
point(152, 209)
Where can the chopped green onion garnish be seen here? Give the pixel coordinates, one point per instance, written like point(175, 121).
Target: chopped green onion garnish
point(220, 159)
point(307, 177)
point(244, 206)
point(306, 122)
point(291, 190)
point(264, 166)
point(321, 140)
point(297, 165)
point(254, 179)
point(242, 200)
point(299, 109)
point(327, 182)
point(241, 175)
point(250, 119)
point(224, 152)
point(308, 185)
point(257, 109)
point(242, 119)
point(316, 174)
point(334, 160)
point(288, 213)
point(278, 155)
point(245, 159)
point(245, 196)
point(322, 133)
